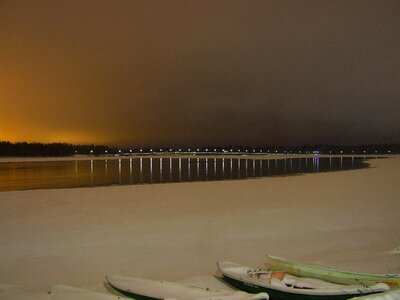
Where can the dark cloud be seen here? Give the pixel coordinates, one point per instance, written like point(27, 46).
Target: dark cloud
point(200, 72)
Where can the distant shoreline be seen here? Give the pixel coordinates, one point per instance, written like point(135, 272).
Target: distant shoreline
point(168, 155)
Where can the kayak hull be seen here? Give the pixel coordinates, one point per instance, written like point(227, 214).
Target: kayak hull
point(279, 295)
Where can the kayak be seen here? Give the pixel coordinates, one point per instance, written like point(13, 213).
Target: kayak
point(389, 295)
point(280, 285)
point(147, 289)
point(331, 275)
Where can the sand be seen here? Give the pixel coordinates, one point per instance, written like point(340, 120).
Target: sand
point(346, 219)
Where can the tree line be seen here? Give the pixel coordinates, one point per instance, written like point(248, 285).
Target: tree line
point(51, 149)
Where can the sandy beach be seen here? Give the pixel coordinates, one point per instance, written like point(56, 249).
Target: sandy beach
point(347, 220)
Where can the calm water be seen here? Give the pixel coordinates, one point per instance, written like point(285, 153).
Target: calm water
point(89, 173)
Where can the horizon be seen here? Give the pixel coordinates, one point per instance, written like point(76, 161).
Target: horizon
point(63, 149)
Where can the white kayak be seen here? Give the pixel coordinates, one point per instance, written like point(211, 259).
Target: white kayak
point(160, 289)
point(63, 292)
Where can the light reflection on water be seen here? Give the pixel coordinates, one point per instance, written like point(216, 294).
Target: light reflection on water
point(160, 169)
point(123, 171)
point(206, 163)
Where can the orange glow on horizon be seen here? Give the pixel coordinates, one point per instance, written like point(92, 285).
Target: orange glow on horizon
point(15, 136)
point(38, 105)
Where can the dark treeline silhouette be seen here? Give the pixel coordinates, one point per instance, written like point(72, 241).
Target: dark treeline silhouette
point(63, 149)
point(53, 149)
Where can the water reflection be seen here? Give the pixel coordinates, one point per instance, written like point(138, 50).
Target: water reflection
point(170, 169)
point(151, 170)
point(155, 170)
point(206, 168)
point(141, 169)
point(189, 177)
point(91, 173)
point(180, 168)
point(161, 174)
point(130, 170)
point(198, 169)
point(231, 164)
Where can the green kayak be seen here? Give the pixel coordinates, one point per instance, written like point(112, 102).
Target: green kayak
point(332, 275)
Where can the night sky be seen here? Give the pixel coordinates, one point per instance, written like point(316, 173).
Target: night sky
point(171, 73)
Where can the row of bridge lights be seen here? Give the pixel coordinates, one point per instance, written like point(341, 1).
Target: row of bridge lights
point(197, 150)
point(231, 150)
point(180, 150)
